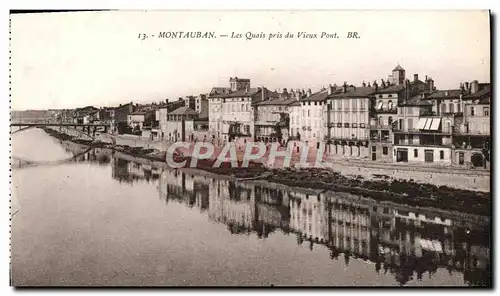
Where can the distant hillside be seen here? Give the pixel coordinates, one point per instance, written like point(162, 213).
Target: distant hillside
point(30, 115)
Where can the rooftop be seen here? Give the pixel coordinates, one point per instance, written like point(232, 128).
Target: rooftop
point(442, 94)
point(484, 91)
point(390, 89)
point(317, 96)
point(238, 93)
point(354, 92)
point(184, 111)
point(398, 68)
point(277, 102)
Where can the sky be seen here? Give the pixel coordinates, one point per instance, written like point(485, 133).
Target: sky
point(69, 60)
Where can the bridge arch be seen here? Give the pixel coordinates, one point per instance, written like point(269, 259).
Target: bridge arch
point(24, 127)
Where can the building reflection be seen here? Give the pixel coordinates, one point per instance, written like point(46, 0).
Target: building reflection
point(407, 242)
point(128, 171)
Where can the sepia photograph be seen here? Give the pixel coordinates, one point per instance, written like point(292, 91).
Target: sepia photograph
point(251, 148)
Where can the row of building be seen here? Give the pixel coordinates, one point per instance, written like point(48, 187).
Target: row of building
point(391, 120)
point(394, 120)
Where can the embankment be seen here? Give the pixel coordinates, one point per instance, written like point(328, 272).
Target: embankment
point(386, 189)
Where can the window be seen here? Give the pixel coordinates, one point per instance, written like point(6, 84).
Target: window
point(410, 123)
point(339, 124)
point(486, 111)
point(380, 96)
point(415, 153)
point(385, 151)
point(409, 110)
point(346, 124)
point(441, 154)
point(374, 148)
point(380, 120)
point(390, 120)
point(354, 125)
point(451, 107)
point(390, 96)
point(362, 125)
point(380, 105)
point(459, 108)
point(308, 112)
point(389, 105)
point(315, 103)
point(471, 111)
point(362, 104)
point(443, 107)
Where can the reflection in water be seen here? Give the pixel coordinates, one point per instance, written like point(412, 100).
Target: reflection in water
point(397, 239)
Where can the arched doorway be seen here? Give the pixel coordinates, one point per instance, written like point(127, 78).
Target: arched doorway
point(477, 160)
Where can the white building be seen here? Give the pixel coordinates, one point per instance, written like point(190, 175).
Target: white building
point(312, 120)
point(231, 111)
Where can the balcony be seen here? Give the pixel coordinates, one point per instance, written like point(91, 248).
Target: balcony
point(420, 132)
point(380, 126)
point(266, 123)
point(386, 111)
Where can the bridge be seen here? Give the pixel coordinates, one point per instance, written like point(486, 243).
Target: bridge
point(89, 129)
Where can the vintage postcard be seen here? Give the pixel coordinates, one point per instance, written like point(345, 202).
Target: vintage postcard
point(251, 148)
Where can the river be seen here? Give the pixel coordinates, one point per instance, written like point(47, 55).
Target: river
point(104, 219)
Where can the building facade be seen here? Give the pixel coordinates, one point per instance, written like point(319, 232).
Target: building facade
point(347, 116)
point(232, 112)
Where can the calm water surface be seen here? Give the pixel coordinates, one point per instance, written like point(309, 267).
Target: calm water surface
point(101, 219)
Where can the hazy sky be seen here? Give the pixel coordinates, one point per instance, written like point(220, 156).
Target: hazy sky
point(67, 60)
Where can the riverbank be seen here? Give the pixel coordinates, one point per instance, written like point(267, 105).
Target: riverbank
point(382, 189)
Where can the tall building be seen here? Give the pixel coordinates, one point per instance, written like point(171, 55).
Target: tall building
point(347, 115)
point(313, 107)
point(398, 75)
point(232, 112)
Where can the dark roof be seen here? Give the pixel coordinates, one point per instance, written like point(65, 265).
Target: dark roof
point(122, 106)
point(441, 94)
point(296, 103)
point(219, 90)
point(239, 93)
point(277, 102)
point(184, 111)
point(317, 96)
point(390, 89)
point(484, 91)
point(418, 81)
point(398, 68)
point(355, 92)
point(253, 92)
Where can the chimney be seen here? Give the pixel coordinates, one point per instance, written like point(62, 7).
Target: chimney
point(430, 84)
point(369, 85)
point(344, 87)
point(330, 89)
point(462, 86)
point(309, 92)
point(425, 78)
point(407, 90)
point(364, 84)
point(415, 77)
point(285, 91)
point(375, 85)
point(248, 88)
point(263, 91)
point(474, 87)
point(467, 86)
point(382, 83)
